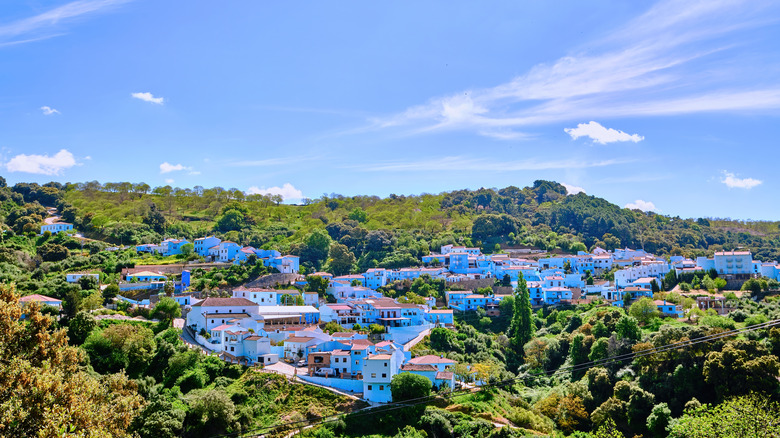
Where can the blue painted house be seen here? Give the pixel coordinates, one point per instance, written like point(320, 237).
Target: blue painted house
point(202, 245)
point(57, 227)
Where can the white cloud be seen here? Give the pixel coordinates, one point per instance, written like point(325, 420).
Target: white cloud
point(287, 191)
point(666, 61)
point(148, 97)
point(47, 111)
point(169, 181)
point(572, 189)
point(600, 134)
point(42, 164)
point(167, 167)
point(641, 205)
point(732, 181)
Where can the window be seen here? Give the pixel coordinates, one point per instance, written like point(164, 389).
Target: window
point(356, 362)
point(373, 375)
point(384, 374)
point(385, 364)
point(381, 387)
point(232, 349)
point(369, 387)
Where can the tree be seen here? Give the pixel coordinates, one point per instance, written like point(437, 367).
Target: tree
point(626, 300)
point(315, 247)
point(44, 390)
point(506, 281)
point(315, 283)
point(340, 259)
point(232, 220)
point(111, 291)
point(187, 249)
point(155, 219)
point(166, 310)
point(658, 420)
point(742, 366)
point(627, 328)
point(644, 310)
point(92, 301)
point(211, 411)
point(752, 415)
point(80, 326)
point(169, 288)
point(408, 386)
point(53, 252)
point(522, 321)
point(358, 215)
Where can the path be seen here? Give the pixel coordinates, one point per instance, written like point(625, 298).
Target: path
point(289, 371)
point(53, 216)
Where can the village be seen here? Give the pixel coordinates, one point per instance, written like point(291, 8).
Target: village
point(259, 326)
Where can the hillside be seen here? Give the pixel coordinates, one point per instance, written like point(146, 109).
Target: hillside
point(384, 232)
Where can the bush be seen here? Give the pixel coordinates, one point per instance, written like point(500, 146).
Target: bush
point(408, 386)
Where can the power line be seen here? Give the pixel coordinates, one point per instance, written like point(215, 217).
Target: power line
point(571, 368)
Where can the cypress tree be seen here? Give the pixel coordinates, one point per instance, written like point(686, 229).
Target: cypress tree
point(522, 322)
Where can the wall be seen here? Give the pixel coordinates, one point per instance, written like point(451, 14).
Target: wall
point(403, 335)
point(349, 385)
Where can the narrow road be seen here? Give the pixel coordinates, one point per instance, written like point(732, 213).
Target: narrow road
point(188, 339)
point(408, 346)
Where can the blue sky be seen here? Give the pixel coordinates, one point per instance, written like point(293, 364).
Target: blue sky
point(670, 105)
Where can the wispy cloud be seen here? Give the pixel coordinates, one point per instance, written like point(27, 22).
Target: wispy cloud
point(600, 134)
point(47, 111)
point(43, 24)
point(148, 97)
point(477, 164)
point(167, 167)
point(169, 181)
point(287, 191)
point(641, 205)
point(659, 63)
point(732, 181)
point(42, 164)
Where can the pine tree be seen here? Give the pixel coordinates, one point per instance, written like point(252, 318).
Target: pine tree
point(522, 322)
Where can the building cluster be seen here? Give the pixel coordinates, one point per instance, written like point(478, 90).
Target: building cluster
point(224, 251)
point(254, 327)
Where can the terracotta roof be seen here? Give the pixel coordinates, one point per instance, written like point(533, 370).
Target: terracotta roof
point(253, 338)
point(441, 311)
point(222, 327)
point(430, 359)
point(379, 357)
point(444, 375)
point(211, 301)
point(342, 335)
point(298, 339)
point(415, 367)
point(37, 297)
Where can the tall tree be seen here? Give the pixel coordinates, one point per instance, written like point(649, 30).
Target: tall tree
point(522, 322)
point(44, 390)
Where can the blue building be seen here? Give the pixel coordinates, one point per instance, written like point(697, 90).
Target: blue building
point(202, 245)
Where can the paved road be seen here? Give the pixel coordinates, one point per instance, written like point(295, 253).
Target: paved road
point(408, 346)
point(187, 338)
